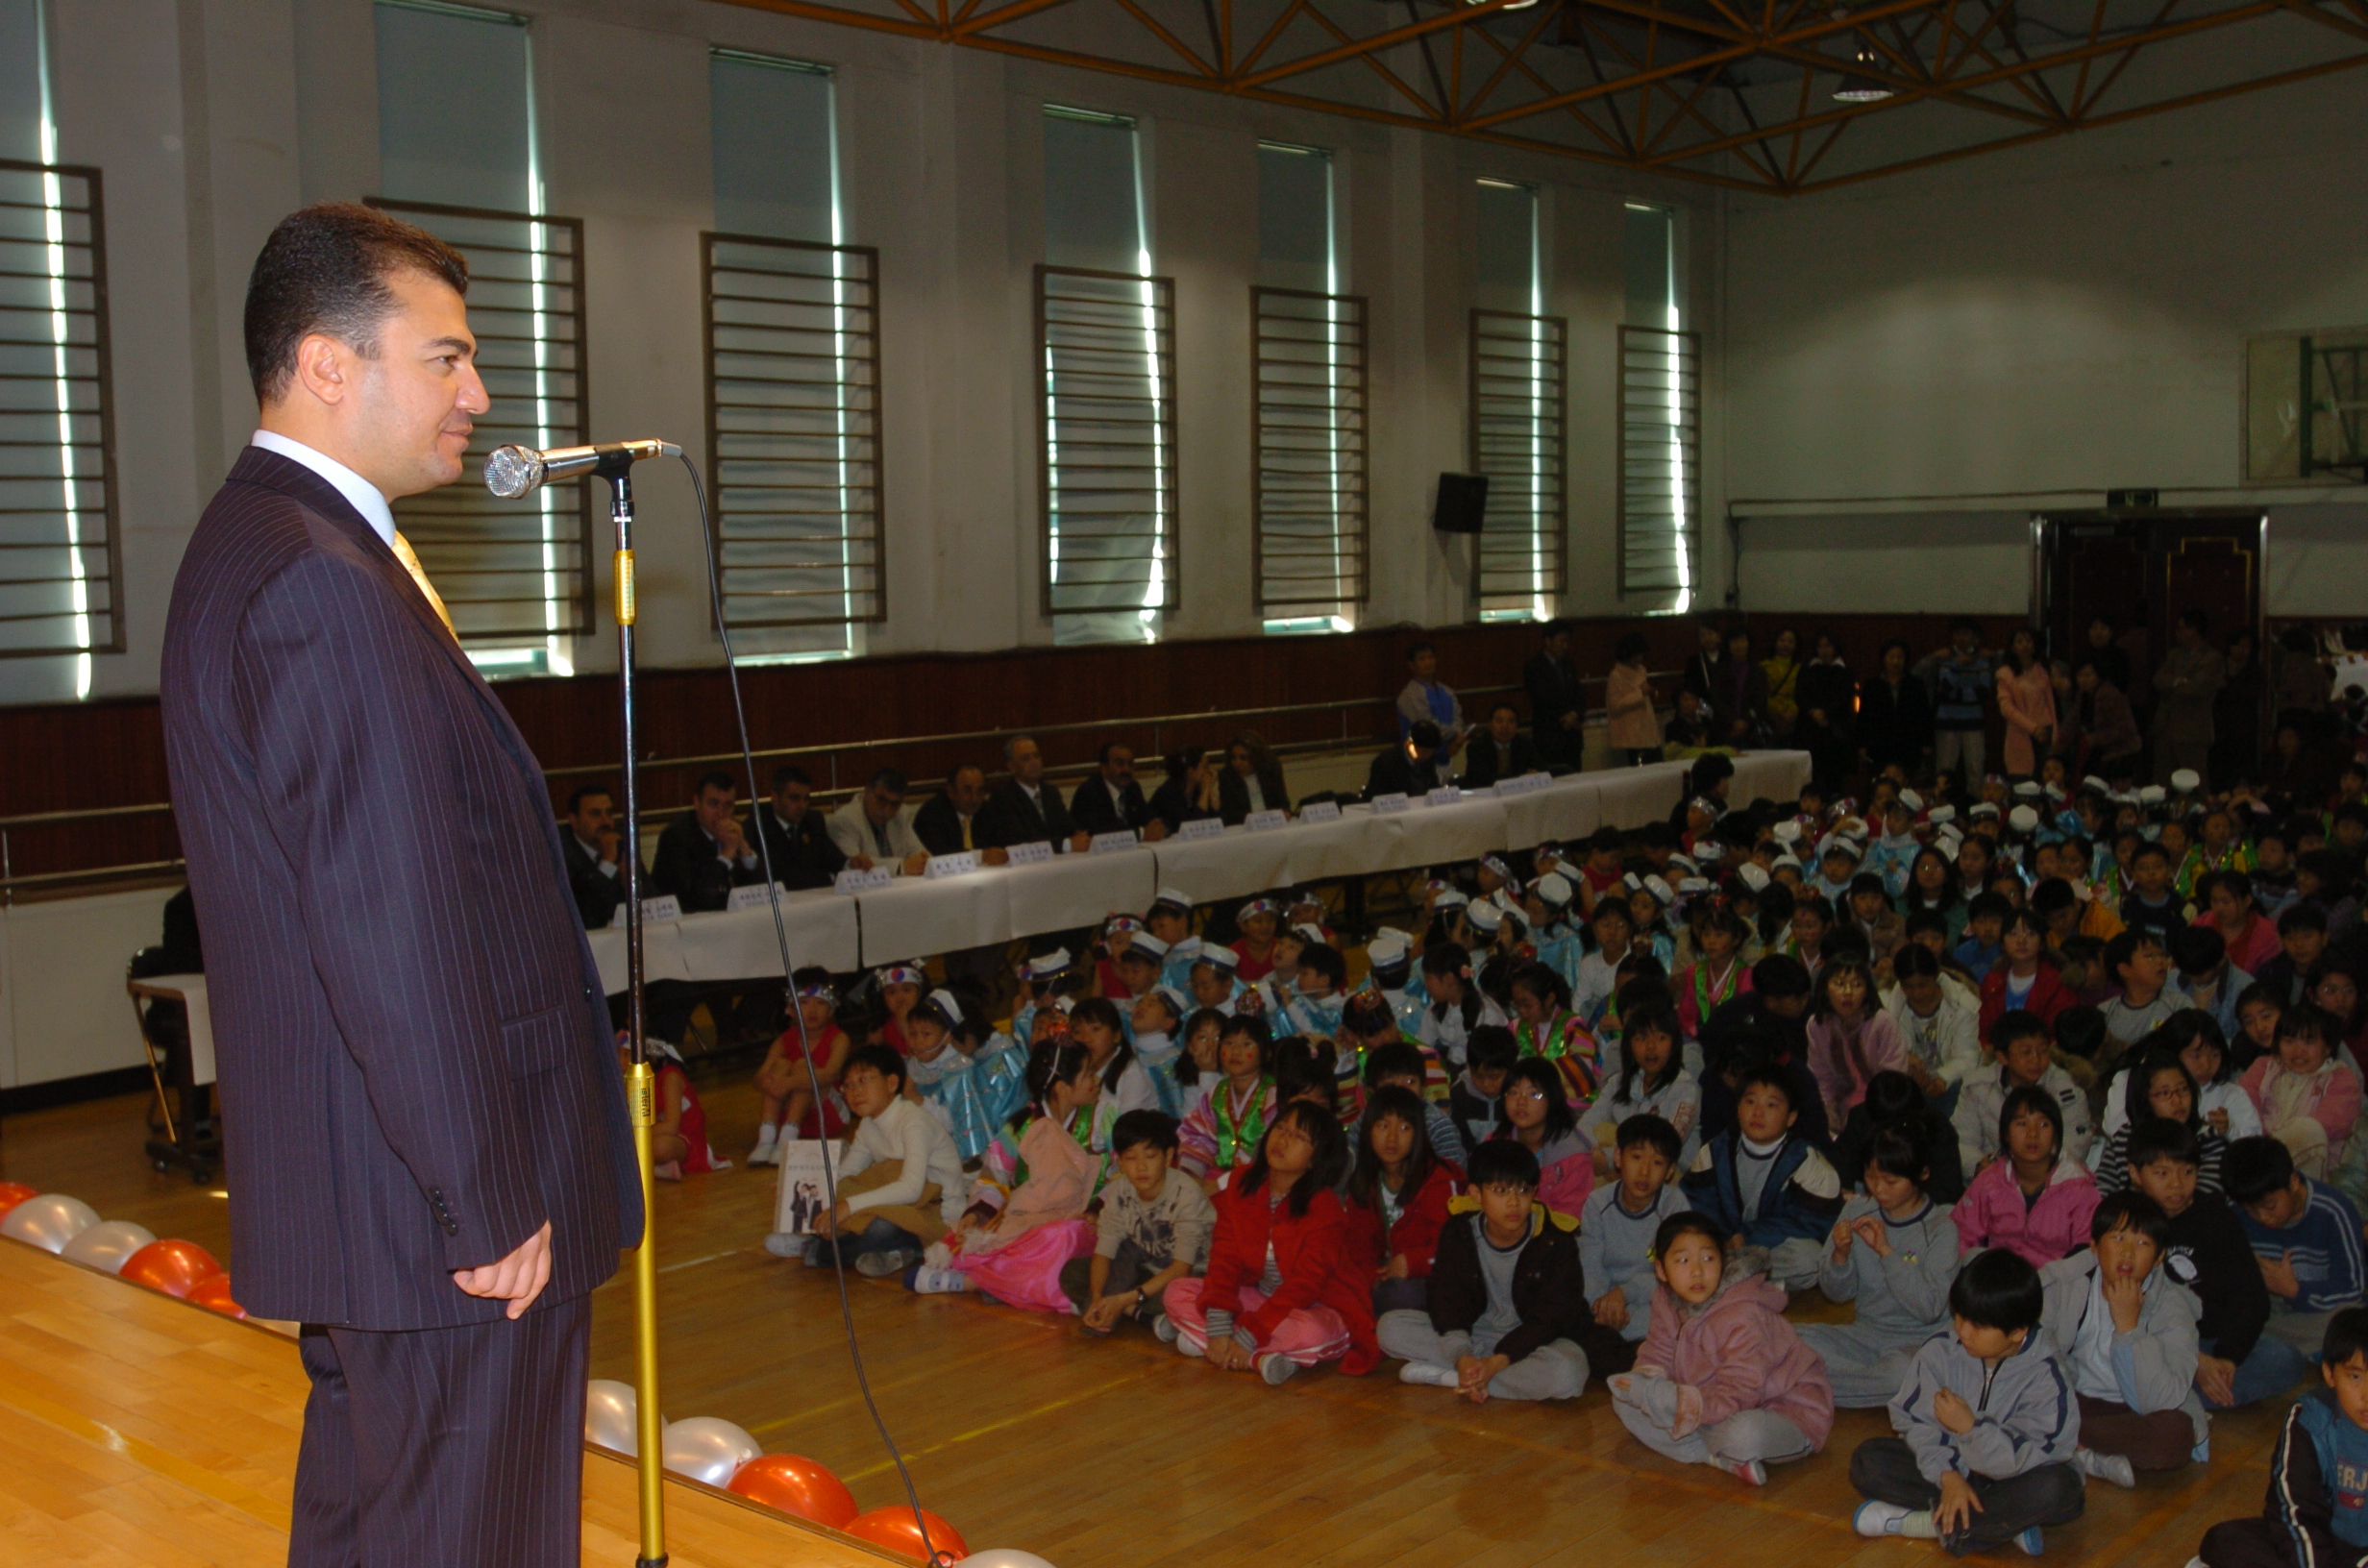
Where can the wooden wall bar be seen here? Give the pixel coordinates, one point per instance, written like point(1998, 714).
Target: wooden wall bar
point(76, 756)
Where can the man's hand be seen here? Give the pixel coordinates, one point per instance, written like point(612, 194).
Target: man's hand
point(859, 863)
point(916, 862)
point(1958, 1505)
point(1612, 1308)
point(2217, 1378)
point(1080, 843)
point(2280, 1276)
point(517, 1279)
point(2123, 1298)
point(729, 840)
point(1155, 830)
point(994, 857)
point(1570, 720)
point(1474, 1372)
point(1950, 1409)
point(608, 844)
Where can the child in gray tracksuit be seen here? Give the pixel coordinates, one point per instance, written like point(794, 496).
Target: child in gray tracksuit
point(1617, 1221)
point(1894, 1253)
point(2126, 1331)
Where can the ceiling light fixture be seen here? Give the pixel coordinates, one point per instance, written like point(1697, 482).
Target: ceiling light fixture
point(1862, 89)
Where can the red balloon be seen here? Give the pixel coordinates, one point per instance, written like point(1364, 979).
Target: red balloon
point(893, 1530)
point(13, 1194)
point(214, 1295)
point(174, 1268)
point(794, 1484)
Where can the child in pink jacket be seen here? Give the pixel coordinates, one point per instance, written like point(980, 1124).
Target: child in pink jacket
point(1721, 1379)
point(2028, 1199)
point(2309, 1100)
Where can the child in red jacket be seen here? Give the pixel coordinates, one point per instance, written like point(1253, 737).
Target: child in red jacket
point(1280, 1293)
point(1397, 1199)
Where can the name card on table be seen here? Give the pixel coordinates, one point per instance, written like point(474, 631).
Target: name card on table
point(1322, 811)
point(1446, 794)
point(756, 895)
point(961, 863)
point(1395, 801)
point(870, 881)
point(1028, 854)
point(664, 907)
point(1525, 784)
point(1266, 821)
point(1202, 828)
point(1105, 843)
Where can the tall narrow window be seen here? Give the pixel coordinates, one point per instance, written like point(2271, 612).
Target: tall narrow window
point(1106, 356)
point(1660, 529)
point(458, 157)
point(1517, 412)
point(793, 372)
point(1307, 355)
point(60, 559)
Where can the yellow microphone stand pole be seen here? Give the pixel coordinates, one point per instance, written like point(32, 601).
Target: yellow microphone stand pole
point(640, 1083)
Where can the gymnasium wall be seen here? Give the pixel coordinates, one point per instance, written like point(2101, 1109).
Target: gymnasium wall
point(212, 119)
point(1916, 364)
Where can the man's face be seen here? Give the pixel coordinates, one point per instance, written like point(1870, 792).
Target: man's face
point(879, 804)
point(1425, 665)
point(1708, 641)
point(790, 798)
point(1417, 750)
point(1964, 639)
point(405, 411)
point(1118, 767)
point(969, 790)
point(1558, 646)
point(1027, 763)
point(714, 808)
point(592, 818)
point(1503, 725)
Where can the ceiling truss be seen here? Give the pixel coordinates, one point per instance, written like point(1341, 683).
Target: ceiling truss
point(1735, 92)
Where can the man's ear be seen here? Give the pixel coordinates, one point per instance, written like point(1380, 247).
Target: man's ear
point(324, 369)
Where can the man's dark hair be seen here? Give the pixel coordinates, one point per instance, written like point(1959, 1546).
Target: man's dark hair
point(1415, 651)
point(881, 1059)
point(324, 270)
point(1780, 975)
point(1423, 733)
point(2195, 617)
point(576, 796)
point(887, 778)
point(1646, 1128)
point(2133, 1210)
point(1501, 1160)
point(2255, 1168)
point(1964, 623)
point(1137, 1128)
point(2160, 1138)
point(2346, 1335)
point(788, 773)
point(1997, 1290)
point(715, 778)
point(1103, 757)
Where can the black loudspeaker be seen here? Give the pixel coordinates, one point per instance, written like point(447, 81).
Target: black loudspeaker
point(1463, 501)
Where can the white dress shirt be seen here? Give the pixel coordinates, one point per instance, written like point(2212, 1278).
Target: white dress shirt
point(360, 492)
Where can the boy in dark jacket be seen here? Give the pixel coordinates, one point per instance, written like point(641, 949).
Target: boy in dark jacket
point(2317, 1512)
point(2208, 1254)
point(1508, 1303)
point(1765, 1186)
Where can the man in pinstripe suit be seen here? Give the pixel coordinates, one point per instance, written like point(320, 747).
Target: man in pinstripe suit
point(430, 1162)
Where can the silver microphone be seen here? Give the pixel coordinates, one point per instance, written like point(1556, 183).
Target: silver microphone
point(511, 472)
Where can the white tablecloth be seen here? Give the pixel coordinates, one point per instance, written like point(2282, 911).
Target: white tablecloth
point(736, 944)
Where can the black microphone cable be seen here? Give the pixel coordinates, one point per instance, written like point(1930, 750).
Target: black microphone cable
point(709, 545)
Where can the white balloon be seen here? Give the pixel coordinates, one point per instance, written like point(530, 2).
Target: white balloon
point(107, 1244)
point(49, 1221)
point(608, 1416)
point(1003, 1557)
point(707, 1448)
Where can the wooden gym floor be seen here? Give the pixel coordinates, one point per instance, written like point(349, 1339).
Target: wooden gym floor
point(1094, 1454)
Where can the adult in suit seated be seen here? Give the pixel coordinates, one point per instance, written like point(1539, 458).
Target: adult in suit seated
point(1111, 802)
point(1557, 701)
point(590, 842)
point(1499, 752)
point(870, 830)
point(1024, 808)
point(792, 832)
point(1190, 791)
point(431, 1163)
point(704, 853)
point(1409, 768)
point(947, 821)
point(1251, 780)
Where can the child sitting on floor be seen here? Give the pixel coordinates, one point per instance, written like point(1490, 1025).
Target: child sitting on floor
point(1397, 1192)
point(2035, 1200)
point(1507, 1304)
point(2158, 1086)
point(1221, 1133)
point(1153, 1229)
point(1987, 1425)
point(1279, 1295)
point(1764, 1186)
point(1402, 1063)
point(1617, 1229)
point(1475, 1100)
point(2306, 1099)
point(1850, 1037)
point(1026, 1216)
point(1894, 1253)
point(1539, 1119)
point(2126, 1336)
point(2317, 1511)
point(1094, 1023)
point(970, 1079)
point(1651, 1080)
point(899, 1183)
point(2025, 1057)
point(2304, 1235)
point(2236, 1364)
point(789, 1110)
point(1721, 1379)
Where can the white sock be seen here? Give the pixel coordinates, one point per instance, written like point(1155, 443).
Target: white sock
point(789, 1133)
point(765, 1132)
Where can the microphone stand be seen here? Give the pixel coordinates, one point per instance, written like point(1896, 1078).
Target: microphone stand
point(640, 1083)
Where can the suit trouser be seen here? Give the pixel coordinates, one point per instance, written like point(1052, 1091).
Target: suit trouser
point(448, 1446)
point(1885, 1469)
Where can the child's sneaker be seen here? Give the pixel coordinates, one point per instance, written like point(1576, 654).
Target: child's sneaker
point(938, 1282)
point(886, 1265)
point(1277, 1370)
point(1184, 1347)
point(2115, 1468)
point(1750, 1472)
point(787, 1244)
point(1164, 1328)
point(1431, 1373)
point(2034, 1543)
point(670, 1172)
point(1875, 1520)
point(2201, 1452)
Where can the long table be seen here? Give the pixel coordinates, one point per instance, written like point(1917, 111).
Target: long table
point(915, 917)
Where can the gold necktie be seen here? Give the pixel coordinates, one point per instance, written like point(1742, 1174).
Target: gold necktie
point(435, 600)
point(966, 834)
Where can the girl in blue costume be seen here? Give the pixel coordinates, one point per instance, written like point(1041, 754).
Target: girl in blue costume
point(971, 1078)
